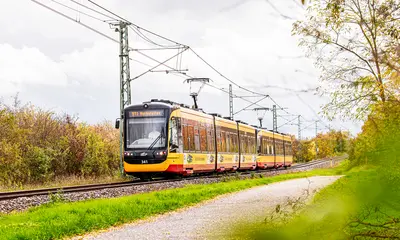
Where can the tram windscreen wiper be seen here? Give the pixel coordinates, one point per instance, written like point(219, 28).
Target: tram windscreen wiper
point(156, 140)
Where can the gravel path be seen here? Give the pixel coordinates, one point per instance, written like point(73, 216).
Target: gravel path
point(207, 221)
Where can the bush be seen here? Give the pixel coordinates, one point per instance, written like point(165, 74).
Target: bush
point(38, 145)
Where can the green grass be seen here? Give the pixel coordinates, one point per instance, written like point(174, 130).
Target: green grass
point(58, 220)
point(355, 206)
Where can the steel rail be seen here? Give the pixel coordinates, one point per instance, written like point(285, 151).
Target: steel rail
point(72, 189)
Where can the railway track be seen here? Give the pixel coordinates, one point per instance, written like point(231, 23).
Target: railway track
point(91, 187)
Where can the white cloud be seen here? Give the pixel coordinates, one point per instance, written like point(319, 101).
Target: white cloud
point(65, 66)
point(19, 67)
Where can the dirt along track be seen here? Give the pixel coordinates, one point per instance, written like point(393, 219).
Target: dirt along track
point(21, 200)
point(215, 218)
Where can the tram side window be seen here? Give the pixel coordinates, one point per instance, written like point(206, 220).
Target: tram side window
point(234, 147)
point(228, 141)
point(247, 145)
point(191, 137)
point(243, 143)
point(203, 139)
point(287, 149)
point(185, 137)
point(223, 141)
point(252, 144)
point(196, 137)
point(270, 145)
point(210, 138)
point(219, 140)
point(284, 148)
point(278, 142)
point(265, 145)
point(279, 146)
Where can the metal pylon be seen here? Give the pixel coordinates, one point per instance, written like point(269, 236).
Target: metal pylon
point(230, 102)
point(275, 119)
point(125, 85)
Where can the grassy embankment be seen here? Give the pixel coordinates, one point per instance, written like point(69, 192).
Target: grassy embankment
point(57, 220)
point(361, 205)
point(365, 204)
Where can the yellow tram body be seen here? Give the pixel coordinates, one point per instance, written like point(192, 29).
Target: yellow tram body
point(195, 142)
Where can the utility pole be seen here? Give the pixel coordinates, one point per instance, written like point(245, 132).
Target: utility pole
point(275, 119)
point(125, 82)
point(299, 136)
point(316, 134)
point(231, 102)
point(299, 127)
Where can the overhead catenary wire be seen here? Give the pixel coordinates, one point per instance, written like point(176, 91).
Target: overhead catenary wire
point(139, 31)
point(94, 10)
point(288, 122)
point(145, 38)
point(137, 26)
point(74, 20)
point(254, 103)
point(80, 12)
point(187, 75)
point(223, 76)
point(159, 64)
point(307, 126)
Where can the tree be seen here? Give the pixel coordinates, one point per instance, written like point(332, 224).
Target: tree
point(354, 42)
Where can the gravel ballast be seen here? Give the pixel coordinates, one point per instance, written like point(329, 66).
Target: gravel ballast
point(213, 219)
point(23, 203)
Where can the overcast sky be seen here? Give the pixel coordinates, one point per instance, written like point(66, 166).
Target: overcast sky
point(57, 64)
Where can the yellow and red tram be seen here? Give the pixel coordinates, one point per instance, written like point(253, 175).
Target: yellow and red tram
point(170, 138)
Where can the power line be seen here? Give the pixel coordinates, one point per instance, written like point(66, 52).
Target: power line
point(161, 63)
point(223, 76)
point(141, 35)
point(137, 26)
point(307, 126)
point(80, 12)
point(144, 37)
point(246, 108)
point(278, 11)
point(288, 122)
point(137, 29)
point(104, 15)
point(225, 91)
point(80, 23)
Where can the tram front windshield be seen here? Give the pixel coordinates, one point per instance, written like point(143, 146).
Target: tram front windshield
point(145, 133)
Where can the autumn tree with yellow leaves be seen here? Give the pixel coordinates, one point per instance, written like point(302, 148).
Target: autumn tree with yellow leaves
point(356, 47)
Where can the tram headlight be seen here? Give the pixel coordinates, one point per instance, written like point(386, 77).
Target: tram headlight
point(161, 153)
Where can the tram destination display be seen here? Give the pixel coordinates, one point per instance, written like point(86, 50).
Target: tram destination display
point(146, 113)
